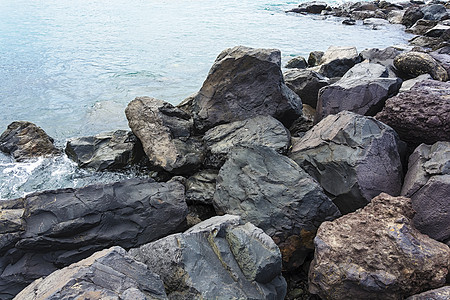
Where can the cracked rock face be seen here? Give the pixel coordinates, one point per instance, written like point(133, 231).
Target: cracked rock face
point(108, 274)
point(376, 253)
point(353, 157)
point(24, 140)
point(243, 83)
point(271, 191)
point(427, 183)
point(53, 229)
point(217, 259)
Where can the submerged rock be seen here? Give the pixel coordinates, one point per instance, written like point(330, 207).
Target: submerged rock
point(353, 157)
point(244, 83)
point(108, 274)
point(413, 64)
point(24, 140)
point(274, 193)
point(376, 253)
point(217, 259)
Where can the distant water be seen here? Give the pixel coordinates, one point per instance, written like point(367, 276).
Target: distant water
point(71, 67)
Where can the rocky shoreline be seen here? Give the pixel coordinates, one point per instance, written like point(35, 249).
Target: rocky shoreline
point(329, 180)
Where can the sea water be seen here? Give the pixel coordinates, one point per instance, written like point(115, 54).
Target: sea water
point(72, 66)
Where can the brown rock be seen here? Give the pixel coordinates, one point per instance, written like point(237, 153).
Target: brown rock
point(413, 64)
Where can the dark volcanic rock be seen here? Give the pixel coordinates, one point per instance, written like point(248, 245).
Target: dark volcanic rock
point(274, 193)
point(298, 62)
point(201, 186)
point(304, 123)
point(412, 64)
point(336, 61)
point(314, 58)
point(57, 228)
point(108, 274)
point(411, 16)
point(442, 293)
point(306, 84)
point(313, 7)
point(262, 131)
point(244, 83)
point(166, 135)
point(420, 115)
point(353, 157)
point(105, 151)
point(217, 259)
point(427, 183)
point(376, 253)
point(434, 12)
point(26, 140)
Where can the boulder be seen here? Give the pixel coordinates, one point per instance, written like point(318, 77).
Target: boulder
point(314, 58)
point(105, 151)
point(262, 130)
point(244, 83)
point(165, 132)
point(442, 293)
point(375, 22)
point(201, 186)
point(306, 84)
point(108, 274)
point(313, 7)
point(338, 60)
point(395, 16)
point(421, 27)
point(304, 123)
point(408, 84)
point(376, 253)
point(271, 191)
point(420, 115)
point(411, 16)
point(24, 140)
point(56, 228)
point(349, 22)
point(412, 64)
point(298, 62)
point(362, 90)
point(434, 12)
point(422, 43)
point(443, 59)
point(353, 157)
point(217, 259)
point(384, 57)
point(427, 183)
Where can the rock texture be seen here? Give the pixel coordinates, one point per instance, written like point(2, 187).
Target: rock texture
point(420, 115)
point(261, 130)
point(408, 84)
point(376, 253)
point(53, 229)
point(274, 193)
point(412, 64)
point(354, 158)
point(336, 61)
point(25, 140)
point(201, 186)
point(306, 84)
point(108, 274)
point(166, 135)
point(244, 83)
point(442, 293)
point(217, 259)
point(427, 183)
point(105, 151)
point(298, 62)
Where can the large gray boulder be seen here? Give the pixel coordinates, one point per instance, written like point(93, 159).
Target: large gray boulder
point(105, 151)
point(420, 115)
point(353, 157)
point(217, 259)
point(243, 83)
point(271, 191)
point(427, 183)
point(53, 229)
point(261, 130)
point(376, 253)
point(306, 84)
point(165, 132)
point(412, 64)
point(336, 61)
point(24, 140)
point(108, 274)
point(362, 90)
point(442, 293)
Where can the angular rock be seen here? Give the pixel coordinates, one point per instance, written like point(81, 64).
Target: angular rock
point(201, 186)
point(413, 64)
point(298, 62)
point(443, 60)
point(304, 123)
point(395, 16)
point(165, 132)
point(384, 57)
point(261, 130)
point(420, 115)
point(313, 7)
point(376, 253)
point(434, 12)
point(421, 27)
point(442, 293)
point(338, 60)
point(63, 226)
point(314, 58)
point(366, 70)
point(25, 140)
point(217, 259)
point(353, 157)
point(274, 193)
point(244, 83)
point(425, 42)
point(105, 151)
point(411, 16)
point(108, 274)
point(408, 84)
point(438, 30)
point(427, 183)
point(306, 84)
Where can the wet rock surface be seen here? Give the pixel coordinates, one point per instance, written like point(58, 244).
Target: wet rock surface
point(376, 253)
point(274, 193)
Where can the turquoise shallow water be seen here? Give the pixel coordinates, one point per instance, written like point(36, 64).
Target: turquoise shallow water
point(71, 67)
